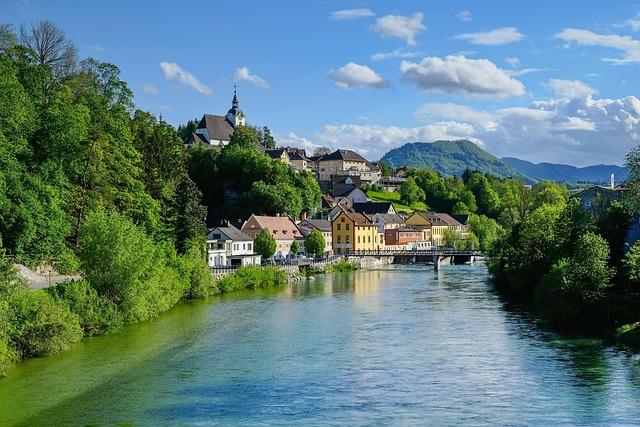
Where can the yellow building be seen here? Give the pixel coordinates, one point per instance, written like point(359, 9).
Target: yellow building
point(354, 232)
point(433, 222)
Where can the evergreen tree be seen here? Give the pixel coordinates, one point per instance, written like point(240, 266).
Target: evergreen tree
point(265, 244)
point(314, 243)
point(189, 227)
point(268, 141)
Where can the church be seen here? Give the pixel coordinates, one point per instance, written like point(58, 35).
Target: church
point(217, 130)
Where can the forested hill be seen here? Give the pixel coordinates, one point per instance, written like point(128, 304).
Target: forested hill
point(558, 172)
point(449, 158)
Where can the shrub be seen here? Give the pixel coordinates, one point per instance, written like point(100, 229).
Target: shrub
point(341, 267)
point(97, 315)
point(252, 277)
point(39, 327)
point(201, 283)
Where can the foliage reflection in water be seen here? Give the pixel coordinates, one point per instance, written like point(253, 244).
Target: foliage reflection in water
point(399, 345)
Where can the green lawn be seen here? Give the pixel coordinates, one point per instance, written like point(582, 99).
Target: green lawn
point(393, 197)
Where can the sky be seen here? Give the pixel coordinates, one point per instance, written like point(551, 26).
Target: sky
point(544, 81)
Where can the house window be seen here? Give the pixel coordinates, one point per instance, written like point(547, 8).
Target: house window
point(249, 246)
point(347, 239)
point(338, 240)
point(369, 239)
point(347, 227)
point(275, 231)
point(358, 239)
point(338, 227)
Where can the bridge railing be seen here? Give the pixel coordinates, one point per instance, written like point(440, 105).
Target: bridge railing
point(419, 252)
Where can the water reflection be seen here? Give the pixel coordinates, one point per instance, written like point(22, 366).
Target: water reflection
point(390, 346)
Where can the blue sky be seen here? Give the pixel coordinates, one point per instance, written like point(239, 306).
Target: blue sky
point(544, 81)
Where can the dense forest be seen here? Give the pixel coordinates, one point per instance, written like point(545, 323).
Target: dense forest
point(90, 184)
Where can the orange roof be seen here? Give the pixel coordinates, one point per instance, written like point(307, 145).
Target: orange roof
point(282, 227)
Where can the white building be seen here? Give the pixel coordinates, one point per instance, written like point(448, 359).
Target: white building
point(229, 247)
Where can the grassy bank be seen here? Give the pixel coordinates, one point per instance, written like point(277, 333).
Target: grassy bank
point(394, 197)
point(342, 266)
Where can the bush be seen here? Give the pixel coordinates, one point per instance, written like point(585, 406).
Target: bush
point(39, 327)
point(97, 315)
point(341, 267)
point(201, 283)
point(252, 277)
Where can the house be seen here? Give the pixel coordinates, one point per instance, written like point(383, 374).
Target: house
point(298, 159)
point(431, 221)
point(283, 229)
point(216, 130)
point(372, 208)
point(341, 205)
point(323, 226)
point(452, 223)
point(351, 192)
point(354, 232)
point(408, 238)
point(588, 195)
point(346, 162)
point(386, 221)
point(229, 247)
point(279, 154)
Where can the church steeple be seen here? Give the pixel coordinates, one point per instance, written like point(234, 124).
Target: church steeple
point(235, 116)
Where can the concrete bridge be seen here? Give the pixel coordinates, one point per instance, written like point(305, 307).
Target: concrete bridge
point(437, 256)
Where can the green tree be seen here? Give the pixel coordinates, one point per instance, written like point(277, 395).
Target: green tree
point(632, 184)
point(314, 243)
point(410, 192)
point(268, 141)
point(486, 229)
point(589, 274)
point(631, 263)
point(189, 226)
point(460, 209)
point(295, 247)
point(265, 244)
point(245, 136)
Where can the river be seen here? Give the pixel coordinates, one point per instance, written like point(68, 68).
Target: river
point(399, 345)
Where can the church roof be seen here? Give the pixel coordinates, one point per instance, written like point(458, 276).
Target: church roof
point(218, 127)
point(196, 138)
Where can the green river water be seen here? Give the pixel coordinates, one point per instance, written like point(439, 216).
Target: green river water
point(395, 346)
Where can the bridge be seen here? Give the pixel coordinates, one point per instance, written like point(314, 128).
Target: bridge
point(438, 256)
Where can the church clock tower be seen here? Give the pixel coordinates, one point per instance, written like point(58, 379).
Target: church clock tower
point(235, 116)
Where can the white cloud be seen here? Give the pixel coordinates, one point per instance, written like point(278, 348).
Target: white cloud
point(461, 76)
point(293, 140)
point(355, 75)
point(397, 53)
point(512, 60)
point(98, 48)
point(374, 140)
point(173, 71)
point(465, 15)
point(523, 71)
point(579, 131)
point(245, 74)
point(633, 23)
point(571, 89)
point(495, 37)
point(349, 14)
point(403, 27)
point(629, 46)
point(150, 89)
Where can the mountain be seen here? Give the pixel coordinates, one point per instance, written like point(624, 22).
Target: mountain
point(557, 172)
point(449, 158)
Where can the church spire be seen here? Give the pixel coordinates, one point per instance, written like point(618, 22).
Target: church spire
point(234, 103)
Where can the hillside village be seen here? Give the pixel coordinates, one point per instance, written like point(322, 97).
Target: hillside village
point(348, 219)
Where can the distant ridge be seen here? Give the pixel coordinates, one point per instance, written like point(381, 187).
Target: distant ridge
point(449, 158)
point(567, 173)
point(454, 157)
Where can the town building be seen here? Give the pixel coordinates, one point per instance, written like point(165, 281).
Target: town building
point(279, 154)
point(323, 226)
point(408, 238)
point(216, 130)
point(453, 224)
point(283, 229)
point(354, 232)
point(229, 247)
point(346, 162)
point(351, 192)
point(386, 221)
point(433, 222)
point(587, 196)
